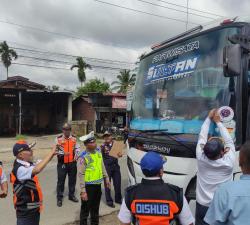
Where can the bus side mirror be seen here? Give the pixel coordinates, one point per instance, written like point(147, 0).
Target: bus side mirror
point(232, 60)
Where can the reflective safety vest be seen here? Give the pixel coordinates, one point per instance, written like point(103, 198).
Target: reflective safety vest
point(1, 172)
point(154, 202)
point(93, 171)
point(68, 145)
point(27, 195)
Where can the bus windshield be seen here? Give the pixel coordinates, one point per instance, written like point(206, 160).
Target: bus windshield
point(177, 86)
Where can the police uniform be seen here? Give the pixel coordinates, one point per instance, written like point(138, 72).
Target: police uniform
point(91, 172)
point(153, 201)
point(67, 165)
point(114, 173)
point(27, 194)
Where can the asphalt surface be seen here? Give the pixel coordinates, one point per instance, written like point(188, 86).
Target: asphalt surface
point(52, 215)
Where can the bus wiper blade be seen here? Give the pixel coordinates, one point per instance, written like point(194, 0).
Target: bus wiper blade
point(172, 138)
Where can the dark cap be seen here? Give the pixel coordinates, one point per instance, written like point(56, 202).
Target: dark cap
point(106, 134)
point(213, 148)
point(151, 164)
point(20, 146)
point(66, 126)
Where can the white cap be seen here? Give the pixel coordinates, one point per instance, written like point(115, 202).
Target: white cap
point(88, 137)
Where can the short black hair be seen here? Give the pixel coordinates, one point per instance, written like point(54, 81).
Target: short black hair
point(148, 173)
point(213, 148)
point(245, 149)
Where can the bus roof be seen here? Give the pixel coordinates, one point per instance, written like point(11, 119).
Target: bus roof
point(222, 22)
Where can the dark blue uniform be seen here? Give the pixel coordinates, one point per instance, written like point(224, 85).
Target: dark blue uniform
point(114, 173)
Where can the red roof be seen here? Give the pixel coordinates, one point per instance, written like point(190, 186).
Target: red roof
point(115, 94)
point(19, 82)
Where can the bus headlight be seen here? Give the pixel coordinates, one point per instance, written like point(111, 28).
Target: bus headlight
point(130, 166)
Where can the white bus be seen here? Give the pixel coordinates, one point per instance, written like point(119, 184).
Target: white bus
point(178, 82)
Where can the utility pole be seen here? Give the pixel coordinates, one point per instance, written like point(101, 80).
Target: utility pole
point(20, 113)
point(187, 15)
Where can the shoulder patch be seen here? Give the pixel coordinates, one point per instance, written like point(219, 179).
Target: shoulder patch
point(74, 137)
point(131, 188)
point(173, 187)
point(83, 154)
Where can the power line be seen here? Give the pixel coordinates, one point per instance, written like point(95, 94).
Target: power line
point(70, 63)
point(177, 10)
point(56, 33)
point(73, 56)
point(197, 10)
point(33, 65)
point(61, 68)
point(143, 12)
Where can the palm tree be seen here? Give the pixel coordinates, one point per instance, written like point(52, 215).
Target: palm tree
point(82, 66)
point(7, 55)
point(125, 80)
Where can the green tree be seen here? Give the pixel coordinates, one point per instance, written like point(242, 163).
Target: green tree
point(7, 55)
point(94, 85)
point(124, 80)
point(81, 66)
point(53, 88)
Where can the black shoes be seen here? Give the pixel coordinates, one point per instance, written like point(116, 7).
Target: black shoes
point(73, 199)
point(59, 203)
point(111, 205)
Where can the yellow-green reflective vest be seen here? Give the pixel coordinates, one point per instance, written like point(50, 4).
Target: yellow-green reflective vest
point(93, 172)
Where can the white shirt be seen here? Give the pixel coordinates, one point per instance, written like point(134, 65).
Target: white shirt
point(212, 173)
point(24, 172)
point(3, 177)
point(185, 216)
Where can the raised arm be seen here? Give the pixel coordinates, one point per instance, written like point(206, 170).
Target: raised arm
point(40, 166)
point(203, 136)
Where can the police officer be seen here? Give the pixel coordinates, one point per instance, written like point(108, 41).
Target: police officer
point(26, 188)
point(3, 183)
point(113, 170)
point(91, 172)
point(153, 201)
point(68, 149)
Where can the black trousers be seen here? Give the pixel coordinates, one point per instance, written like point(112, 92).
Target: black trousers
point(91, 206)
point(114, 174)
point(31, 220)
point(200, 214)
point(62, 171)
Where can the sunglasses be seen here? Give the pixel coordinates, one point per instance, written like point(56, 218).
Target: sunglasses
point(66, 129)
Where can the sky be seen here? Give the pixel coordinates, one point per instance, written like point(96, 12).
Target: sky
point(90, 28)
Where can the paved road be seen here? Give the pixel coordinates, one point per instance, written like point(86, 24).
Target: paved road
point(52, 215)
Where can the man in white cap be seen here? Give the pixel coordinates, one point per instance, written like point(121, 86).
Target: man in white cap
point(91, 173)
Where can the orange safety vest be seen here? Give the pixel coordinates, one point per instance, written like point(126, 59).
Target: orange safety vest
point(68, 145)
point(154, 202)
point(27, 195)
point(1, 172)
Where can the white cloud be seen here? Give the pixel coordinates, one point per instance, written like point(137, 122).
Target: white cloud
point(109, 32)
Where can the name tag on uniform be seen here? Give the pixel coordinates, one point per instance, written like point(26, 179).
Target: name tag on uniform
point(152, 208)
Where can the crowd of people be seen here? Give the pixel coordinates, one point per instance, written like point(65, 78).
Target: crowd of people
point(219, 199)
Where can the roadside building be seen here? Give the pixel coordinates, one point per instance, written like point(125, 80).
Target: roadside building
point(101, 111)
point(30, 108)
